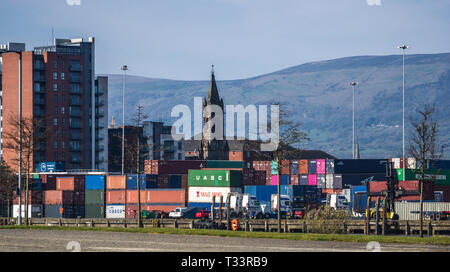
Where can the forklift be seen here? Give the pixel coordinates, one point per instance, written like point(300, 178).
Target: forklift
point(393, 191)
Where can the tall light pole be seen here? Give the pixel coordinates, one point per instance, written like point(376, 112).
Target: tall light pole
point(353, 84)
point(403, 47)
point(124, 69)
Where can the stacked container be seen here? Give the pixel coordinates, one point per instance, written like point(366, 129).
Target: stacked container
point(205, 184)
point(68, 200)
point(35, 200)
point(115, 196)
point(95, 196)
point(164, 200)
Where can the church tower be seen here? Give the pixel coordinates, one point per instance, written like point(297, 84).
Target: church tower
point(212, 148)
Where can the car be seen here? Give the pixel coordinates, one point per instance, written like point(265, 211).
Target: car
point(298, 213)
point(178, 212)
point(203, 214)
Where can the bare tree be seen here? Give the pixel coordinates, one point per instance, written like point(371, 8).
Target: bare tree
point(423, 147)
point(290, 140)
point(34, 136)
point(8, 184)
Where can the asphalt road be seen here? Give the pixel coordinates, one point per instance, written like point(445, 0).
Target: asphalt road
point(91, 241)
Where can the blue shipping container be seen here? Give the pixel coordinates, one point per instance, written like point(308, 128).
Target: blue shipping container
point(146, 181)
point(95, 182)
point(360, 166)
point(36, 185)
point(263, 192)
point(175, 181)
point(312, 166)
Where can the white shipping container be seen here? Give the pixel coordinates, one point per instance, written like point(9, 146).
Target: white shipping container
point(115, 211)
point(412, 163)
point(337, 181)
point(33, 211)
point(410, 210)
point(205, 194)
point(330, 181)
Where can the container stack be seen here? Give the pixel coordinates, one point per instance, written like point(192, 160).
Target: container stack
point(205, 184)
point(95, 196)
point(68, 200)
point(115, 196)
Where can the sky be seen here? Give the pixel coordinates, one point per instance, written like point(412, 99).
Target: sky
point(181, 39)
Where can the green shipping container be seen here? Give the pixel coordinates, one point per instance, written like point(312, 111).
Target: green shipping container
point(440, 177)
point(215, 178)
point(96, 197)
point(94, 211)
point(225, 164)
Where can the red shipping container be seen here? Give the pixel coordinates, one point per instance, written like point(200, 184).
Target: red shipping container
point(179, 167)
point(445, 191)
point(158, 196)
point(285, 167)
point(131, 210)
point(57, 197)
point(73, 183)
point(162, 208)
point(132, 196)
point(34, 197)
point(260, 178)
point(116, 182)
point(376, 186)
point(49, 181)
point(116, 197)
point(303, 167)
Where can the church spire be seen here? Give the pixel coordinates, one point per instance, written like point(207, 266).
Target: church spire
point(213, 94)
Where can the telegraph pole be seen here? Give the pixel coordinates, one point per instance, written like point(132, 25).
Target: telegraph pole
point(124, 69)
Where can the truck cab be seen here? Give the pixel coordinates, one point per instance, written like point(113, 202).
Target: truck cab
point(285, 205)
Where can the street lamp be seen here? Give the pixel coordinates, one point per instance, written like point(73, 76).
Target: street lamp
point(124, 69)
point(403, 47)
point(353, 84)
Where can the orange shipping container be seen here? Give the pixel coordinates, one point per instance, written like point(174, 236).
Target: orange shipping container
point(115, 197)
point(166, 196)
point(116, 182)
point(285, 167)
point(303, 167)
point(65, 183)
point(132, 196)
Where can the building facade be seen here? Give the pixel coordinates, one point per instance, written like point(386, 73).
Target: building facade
point(160, 143)
point(59, 88)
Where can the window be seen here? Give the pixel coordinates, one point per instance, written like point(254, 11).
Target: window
point(55, 132)
point(55, 75)
point(55, 64)
point(63, 110)
point(180, 145)
point(63, 144)
point(63, 88)
point(63, 155)
point(62, 76)
point(56, 156)
point(55, 110)
point(63, 98)
point(55, 86)
point(55, 98)
point(63, 133)
point(55, 144)
point(55, 121)
point(63, 121)
point(63, 63)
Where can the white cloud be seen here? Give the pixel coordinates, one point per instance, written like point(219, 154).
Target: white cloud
point(73, 2)
point(374, 2)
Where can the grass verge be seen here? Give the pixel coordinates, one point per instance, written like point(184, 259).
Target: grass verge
point(434, 240)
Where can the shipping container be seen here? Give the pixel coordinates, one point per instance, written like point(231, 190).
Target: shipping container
point(215, 178)
point(146, 181)
point(180, 167)
point(175, 181)
point(321, 181)
point(329, 167)
point(49, 181)
point(274, 168)
point(94, 211)
point(312, 179)
point(303, 179)
point(443, 191)
point(116, 197)
point(411, 210)
point(312, 167)
point(166, 196)
point(263, 193)
point(116, 182)
point(436, 164)
point(329, 181)
point(321, 166)
point(56, 197)
point(167, 208)
point(285, 167)
point(224, 164)
point(95, 197)
point(95, 182)
point(440, 177)
point(303, 167)
point(115, 211)
point(205, 194)
point(72, 183)
point(294, 168)
point(33, 211)
point(294, 180)
point(79, 198)
point(337, 181)
point(68, 211)
point(350, 166)
point(132, 196)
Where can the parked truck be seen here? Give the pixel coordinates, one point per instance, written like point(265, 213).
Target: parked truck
point(244, 206)
point(338, 202)
point(285, 206)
